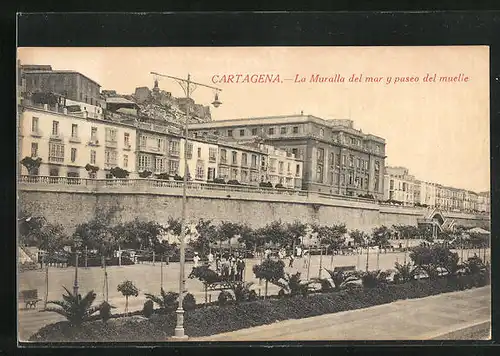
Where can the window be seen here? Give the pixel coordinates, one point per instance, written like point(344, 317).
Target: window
point(377, 165)
point(321, 132)
point(212, 154)
point(343, 160)
point(242, 132)
point(159, 144)
point(34, 149)
point(126, 139)
point(160, 164)
point(189, 150)
point(321, 155)
point(254, 161)
point(143, 140)
point(74, 130)
point(294, 152)
point(144, 162)
point(73, 154)
point(351, 161)
point(229, 133)
point(56, 152)
point(357, 163)
point(270, 131)
point(92, 157)
point(297, 170)
point(110, 135)
point(391, 184)
point(244, 176)
point(200, 171)
point(174, 148)
point(366, 165)
point(337, 160)
point(353, 141)
point(223, 172)
point(54, 171)
point(319, 174)
point(234, 174)
point(281, 165)
point(244, 159)
point(289, 168)
point(295, 129)
point(283, 130)
point(223, 155)
point(351, 178)
point(199, 152)
point(342, 179)
point(110, 157)
point(93, 134)
point(34, 124)
point(234, 159)
point(254, 131)
point(331, 159)
point(55, 128)
point(376, 183)
point(211, 173)
point(125, 161)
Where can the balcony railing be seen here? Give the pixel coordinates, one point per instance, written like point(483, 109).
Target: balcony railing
point(36, 133)
point(212, 159)
point(111, 144)
point(56, 159)
point(75, 139)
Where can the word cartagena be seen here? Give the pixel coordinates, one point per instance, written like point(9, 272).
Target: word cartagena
point(246, 78)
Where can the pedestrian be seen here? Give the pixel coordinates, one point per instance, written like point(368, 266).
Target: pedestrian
point(305, 255)
point(291, 261)
point(196, 259)
point(240, 267)
point(217, 262)
point(210, 257)
point(299, 251)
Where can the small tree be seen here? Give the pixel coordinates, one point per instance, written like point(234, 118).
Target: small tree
point(162, 176)
point(405, 272)
point(359, 237)
point(105, 311)
point(372, 279)
point(128, 289)
point(75, 308)
point(293, 285)
point(270, 271)
point(31, 164)
point(92, 170)
point(118, 172)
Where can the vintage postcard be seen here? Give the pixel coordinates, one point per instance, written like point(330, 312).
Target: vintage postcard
point(253, 194)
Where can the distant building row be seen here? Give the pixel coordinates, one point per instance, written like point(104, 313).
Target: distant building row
point(402, 187)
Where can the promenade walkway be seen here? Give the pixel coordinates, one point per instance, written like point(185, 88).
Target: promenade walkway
point(437, 317)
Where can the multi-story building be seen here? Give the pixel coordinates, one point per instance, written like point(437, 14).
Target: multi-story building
point(428, 193)
point(483, 200)
point(400, 186)
point(70, 84)
point(336, 158)
point(240, 163)
point(66, 142)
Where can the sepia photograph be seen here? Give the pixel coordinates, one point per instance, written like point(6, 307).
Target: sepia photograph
point(244, 194)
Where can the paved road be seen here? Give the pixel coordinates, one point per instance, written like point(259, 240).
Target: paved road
point(457, 315)
point(147, 278)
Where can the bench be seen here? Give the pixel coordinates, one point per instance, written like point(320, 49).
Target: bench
point(220, 286)
point(29, 298)
point(344, 269)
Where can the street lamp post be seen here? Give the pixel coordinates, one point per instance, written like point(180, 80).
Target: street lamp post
point(75, 285)
point(188, 86)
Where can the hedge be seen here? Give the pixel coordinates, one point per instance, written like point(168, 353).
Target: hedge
point(234, 316)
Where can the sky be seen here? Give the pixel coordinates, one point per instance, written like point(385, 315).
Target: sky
point(439, 131)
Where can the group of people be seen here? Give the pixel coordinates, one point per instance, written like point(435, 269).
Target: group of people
point(282, 254)
point(229, 266)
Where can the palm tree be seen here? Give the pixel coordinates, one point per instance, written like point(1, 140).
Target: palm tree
point(75, 308)
point(342, 279)
point(167, 301)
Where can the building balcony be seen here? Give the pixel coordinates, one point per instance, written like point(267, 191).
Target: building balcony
point(212, 159)
point(75, 139)
point(174, 153)
point(94, 143)
point(36, 133)
point(109, 165)
point(55, 159)
point(56, 137)
point(127, 147)
point(111, 144)
point(272, 169)
point(223, 161)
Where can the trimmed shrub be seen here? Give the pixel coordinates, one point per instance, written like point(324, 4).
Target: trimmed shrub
point(219, 181)
point(147, 309)
point(233, 182)
point(279, 186)
point(189, 302)
point(224, 298)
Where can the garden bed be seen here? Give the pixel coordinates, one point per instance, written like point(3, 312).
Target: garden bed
point(219, 319)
